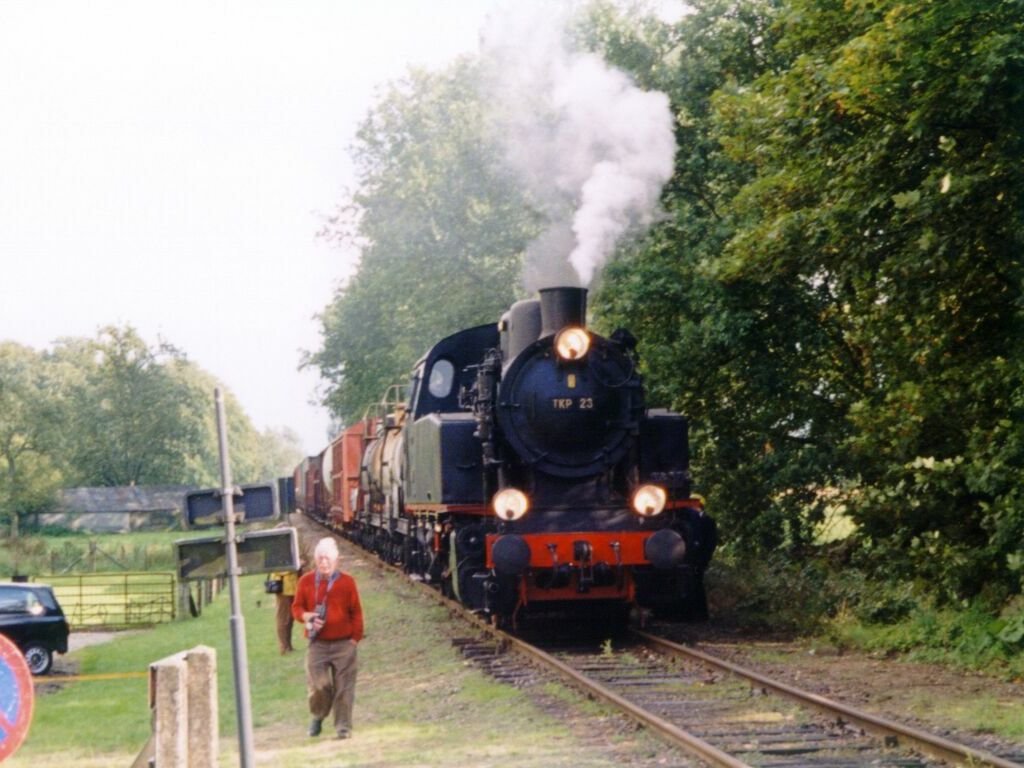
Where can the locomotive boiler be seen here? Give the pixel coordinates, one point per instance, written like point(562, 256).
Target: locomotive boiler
point(523, 469)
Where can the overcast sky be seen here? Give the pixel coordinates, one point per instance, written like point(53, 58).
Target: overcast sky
point(167, 165)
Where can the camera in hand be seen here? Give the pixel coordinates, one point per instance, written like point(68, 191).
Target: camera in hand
point(321, 612)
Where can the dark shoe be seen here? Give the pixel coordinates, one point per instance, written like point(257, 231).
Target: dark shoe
point(343, 734)
point(314, 727)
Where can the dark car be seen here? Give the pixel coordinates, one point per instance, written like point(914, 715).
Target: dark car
point(33, 619)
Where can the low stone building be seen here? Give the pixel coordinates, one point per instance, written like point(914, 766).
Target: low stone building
point(121, 509)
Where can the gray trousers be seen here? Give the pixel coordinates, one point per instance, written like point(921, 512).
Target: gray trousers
point(331, 680)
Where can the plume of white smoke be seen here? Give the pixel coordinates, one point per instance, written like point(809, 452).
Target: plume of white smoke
point(593, 149)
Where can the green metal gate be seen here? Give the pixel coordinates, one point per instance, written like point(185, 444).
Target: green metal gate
point(116, 600)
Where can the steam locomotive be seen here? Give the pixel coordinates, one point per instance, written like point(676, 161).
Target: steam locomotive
point(522, 470)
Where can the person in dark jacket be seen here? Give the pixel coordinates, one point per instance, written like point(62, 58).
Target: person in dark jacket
point(701, 544)
point(327, 603)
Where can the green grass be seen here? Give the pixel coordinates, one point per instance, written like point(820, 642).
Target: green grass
point(67, 719)
point(985, 713)
point(969, 638)
point(418, 701)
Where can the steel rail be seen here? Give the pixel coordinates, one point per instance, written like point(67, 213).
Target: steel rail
point(930, 744)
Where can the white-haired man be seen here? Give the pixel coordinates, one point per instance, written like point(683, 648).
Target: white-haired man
point(327, 603)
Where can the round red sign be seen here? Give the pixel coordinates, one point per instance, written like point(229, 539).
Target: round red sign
point(17, 695)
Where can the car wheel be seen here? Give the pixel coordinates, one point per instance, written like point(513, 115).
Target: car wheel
point(39, 659)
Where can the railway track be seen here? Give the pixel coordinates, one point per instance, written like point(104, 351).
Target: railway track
point(888, 731)
point(726, 715)
point(712, 709)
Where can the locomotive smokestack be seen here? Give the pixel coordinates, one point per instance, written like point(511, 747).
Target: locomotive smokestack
point(560, 307)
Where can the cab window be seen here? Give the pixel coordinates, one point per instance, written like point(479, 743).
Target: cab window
point(442, 375)
point(414, 387)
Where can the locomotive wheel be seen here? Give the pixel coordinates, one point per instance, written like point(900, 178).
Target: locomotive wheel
point(407, 555)
point(446, 586)
point(416, 558)
point(470, 542)
point(443, 577)
point(396, 555)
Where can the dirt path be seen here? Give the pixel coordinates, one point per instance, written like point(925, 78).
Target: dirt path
point(78, 640)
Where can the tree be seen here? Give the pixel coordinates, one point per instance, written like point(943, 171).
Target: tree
point(29, 420)
point(256, 457)
point(888, 186)
point(441, 229)
point(835, 293)
point(113, 411)
point(280, 452)
point(131, 422)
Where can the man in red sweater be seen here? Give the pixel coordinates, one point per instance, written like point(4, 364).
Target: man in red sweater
point(327, 603)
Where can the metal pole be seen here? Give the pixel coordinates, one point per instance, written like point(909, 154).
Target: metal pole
point(239, 656)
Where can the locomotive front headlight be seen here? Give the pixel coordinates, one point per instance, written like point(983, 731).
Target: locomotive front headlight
point(510, 504)
point(572, 343)
point(649, 500)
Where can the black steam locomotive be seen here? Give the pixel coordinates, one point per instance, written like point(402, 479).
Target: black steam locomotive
point(523, 470)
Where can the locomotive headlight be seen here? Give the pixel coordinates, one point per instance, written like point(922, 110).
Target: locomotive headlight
point(649, 500)
point(572, 343)
point(510, 504)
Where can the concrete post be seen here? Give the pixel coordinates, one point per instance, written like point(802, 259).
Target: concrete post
point(168, 696)
point(183, 697)
point(184, 609)
point(203, 741)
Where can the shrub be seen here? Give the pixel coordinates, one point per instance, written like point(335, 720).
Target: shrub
point(773, 593)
